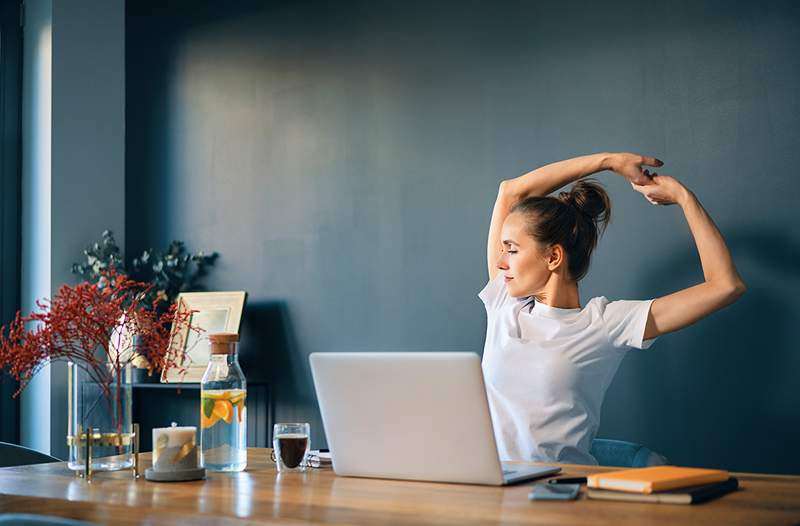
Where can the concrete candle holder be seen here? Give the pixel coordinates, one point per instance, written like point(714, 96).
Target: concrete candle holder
point(174, 455)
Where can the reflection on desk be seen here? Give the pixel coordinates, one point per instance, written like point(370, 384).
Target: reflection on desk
point(320, 497)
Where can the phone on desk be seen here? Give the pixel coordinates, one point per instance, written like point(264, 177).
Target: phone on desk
point(555, 492)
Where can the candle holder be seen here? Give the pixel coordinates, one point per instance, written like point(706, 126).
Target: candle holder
point(93, 438)
point(175, 455)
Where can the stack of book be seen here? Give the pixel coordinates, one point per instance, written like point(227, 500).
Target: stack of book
point(664, 484)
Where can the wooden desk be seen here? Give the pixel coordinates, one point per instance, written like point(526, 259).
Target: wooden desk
point(261, 495)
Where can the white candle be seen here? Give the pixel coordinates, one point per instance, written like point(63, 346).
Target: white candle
point(174, 448)
point(175, 436)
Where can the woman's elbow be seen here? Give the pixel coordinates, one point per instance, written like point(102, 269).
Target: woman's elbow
point(735, 289)
point(741, 288)
point(507, 190)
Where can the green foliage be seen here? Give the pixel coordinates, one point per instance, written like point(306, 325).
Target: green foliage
point(100, 257)
point(171, 272)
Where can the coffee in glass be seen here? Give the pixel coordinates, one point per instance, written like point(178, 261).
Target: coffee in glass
point(291, 443)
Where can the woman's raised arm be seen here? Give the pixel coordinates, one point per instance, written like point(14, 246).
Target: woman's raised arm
point(550, 178)
point(722, 285)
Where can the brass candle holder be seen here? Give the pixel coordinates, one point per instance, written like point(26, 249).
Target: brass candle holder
point(94, 438)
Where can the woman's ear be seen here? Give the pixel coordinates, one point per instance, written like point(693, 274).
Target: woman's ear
point(555, 257)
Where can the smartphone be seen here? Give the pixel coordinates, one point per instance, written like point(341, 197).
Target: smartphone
point(555, 491)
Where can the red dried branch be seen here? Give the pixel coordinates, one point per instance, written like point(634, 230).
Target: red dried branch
point(85, 324)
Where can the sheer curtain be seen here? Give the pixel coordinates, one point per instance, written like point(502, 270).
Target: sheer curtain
point(10, 106)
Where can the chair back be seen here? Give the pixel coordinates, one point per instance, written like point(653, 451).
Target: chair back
point(625, 454)
point(14, 455)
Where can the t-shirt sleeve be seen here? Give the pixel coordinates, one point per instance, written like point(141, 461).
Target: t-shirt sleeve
point(495, 293)
point(625, 322)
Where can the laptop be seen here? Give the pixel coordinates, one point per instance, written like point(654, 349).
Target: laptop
point(411, 416)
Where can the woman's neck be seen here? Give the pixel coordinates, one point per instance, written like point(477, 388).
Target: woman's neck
point(559, 293)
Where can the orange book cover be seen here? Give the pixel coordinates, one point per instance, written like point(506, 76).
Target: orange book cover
point(656, 478)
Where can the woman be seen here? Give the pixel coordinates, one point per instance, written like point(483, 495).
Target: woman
point(548, 361)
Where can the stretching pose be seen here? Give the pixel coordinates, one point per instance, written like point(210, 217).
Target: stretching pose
point(548, 361)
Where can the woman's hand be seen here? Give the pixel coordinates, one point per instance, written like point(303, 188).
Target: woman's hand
point(662, 189)
point(629, 166)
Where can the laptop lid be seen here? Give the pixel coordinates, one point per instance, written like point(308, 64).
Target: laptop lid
point(410, 416)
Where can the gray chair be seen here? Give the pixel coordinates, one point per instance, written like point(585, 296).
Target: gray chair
point(27, 519)
point(14, 455)
point(625, 454)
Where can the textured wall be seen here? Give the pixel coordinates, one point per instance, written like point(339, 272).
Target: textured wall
point(343, 158)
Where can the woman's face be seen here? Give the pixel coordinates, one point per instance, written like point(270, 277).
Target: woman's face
point(523, 262)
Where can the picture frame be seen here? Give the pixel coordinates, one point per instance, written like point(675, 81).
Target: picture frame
point(214, 312)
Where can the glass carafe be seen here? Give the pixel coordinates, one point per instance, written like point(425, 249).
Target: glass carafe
point(223, 414)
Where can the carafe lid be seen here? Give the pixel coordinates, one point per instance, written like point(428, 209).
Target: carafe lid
point(223, 342)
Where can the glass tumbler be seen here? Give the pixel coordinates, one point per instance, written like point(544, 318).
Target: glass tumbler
point(291, 443)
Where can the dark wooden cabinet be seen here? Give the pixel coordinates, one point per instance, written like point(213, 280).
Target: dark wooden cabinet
point(158, 405)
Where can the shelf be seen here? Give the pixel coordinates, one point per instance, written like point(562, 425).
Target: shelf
point(177, 385)
point(173, 385)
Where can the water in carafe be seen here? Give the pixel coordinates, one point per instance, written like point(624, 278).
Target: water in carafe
point(223, 413)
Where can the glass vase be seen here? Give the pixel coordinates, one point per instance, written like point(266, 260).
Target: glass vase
point(99, 408)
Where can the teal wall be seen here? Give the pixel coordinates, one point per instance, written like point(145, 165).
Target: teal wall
point(73, 161)
point(344, 158)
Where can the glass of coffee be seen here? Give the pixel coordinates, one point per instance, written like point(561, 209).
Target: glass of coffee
point(290, 443)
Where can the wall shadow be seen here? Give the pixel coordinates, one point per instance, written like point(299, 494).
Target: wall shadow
point(720, 393)
point(269, 352)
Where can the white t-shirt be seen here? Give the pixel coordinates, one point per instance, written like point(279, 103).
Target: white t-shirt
point(547, 370)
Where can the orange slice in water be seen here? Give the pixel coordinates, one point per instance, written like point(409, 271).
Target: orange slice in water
point(223, 410)
point(208, 421)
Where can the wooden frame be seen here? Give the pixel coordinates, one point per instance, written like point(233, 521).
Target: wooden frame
point(215, 312)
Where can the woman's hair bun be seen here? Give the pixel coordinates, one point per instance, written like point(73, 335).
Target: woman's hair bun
point(590, 199)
